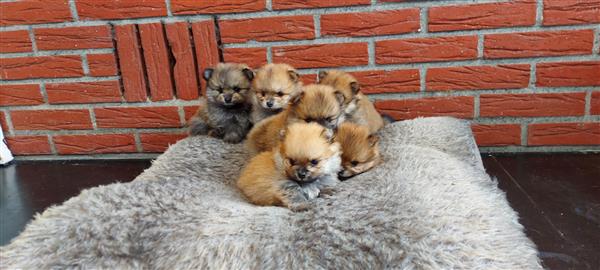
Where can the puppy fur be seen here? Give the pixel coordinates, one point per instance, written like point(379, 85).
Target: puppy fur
point(360, 150)
point(303, 166)
point(225, 113)
point(316, 103)
point(357, 106)
point(273, 87)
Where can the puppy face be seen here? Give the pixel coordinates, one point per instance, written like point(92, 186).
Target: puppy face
point(308, 152)
point(360, 151)
point(344, 83)
point(320, 104)
point(275, 85)
point(228, 84)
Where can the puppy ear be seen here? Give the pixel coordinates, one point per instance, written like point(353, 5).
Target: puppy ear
point(248, 73)
point(294, 76)
point(297, 98)
point(355, 87)
point(373, 140)
point(208, 73)
point(340, 97)
point(322, 74)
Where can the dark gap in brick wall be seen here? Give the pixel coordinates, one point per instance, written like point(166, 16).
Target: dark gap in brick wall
point(117, 62)
point(218, 37)
point(193, 46)
point(143, 60)
point(172, 60)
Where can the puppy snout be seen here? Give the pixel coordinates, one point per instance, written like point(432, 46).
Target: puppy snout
point(227, 98)
point(302, 173)
point(270, 103)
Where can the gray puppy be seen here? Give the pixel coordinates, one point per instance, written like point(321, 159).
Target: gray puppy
point(225, 113)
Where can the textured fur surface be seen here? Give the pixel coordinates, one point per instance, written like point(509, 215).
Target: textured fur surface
point(429, 206)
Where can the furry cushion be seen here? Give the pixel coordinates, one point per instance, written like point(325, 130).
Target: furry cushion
point(429, 206)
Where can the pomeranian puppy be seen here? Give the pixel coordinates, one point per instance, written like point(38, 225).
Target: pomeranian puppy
point(304, 165)
point(357, 106)
point(272, 89)
point(225, 113)
point(316, 103)
point(360, 150)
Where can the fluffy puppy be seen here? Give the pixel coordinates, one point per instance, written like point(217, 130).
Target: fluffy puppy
point(360, 150)
point(316, 103)
point(303, 166)
point(272, 89)
point(357, 106)
point(226, 110)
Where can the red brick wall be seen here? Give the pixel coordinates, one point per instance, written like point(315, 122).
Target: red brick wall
point(107, 77)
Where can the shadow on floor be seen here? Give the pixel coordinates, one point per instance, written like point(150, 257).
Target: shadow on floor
point(557, 197)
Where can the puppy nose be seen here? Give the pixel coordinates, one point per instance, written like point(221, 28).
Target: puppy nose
point(270, 103)
point(227, 98)
point(302, 173)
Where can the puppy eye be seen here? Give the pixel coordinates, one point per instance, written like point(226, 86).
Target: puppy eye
point(291, 161)
point(354, 163)
point(329, 119)
point(220, 90)
point(280, 94)
point(236, 89)
point(308, 120)
point(314, 162)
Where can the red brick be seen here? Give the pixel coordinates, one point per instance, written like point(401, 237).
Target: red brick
point(159, 142)
point(94, 144)
point(370, 23)
point(477, 77)
point(322, 55)
point(568, 74)
point(3, 123)
point(138, 117)
point(426, 49)
point(207, 52)
point(388, 81)
point(15, 41)
point(595, 103)
point(267, 29)
point(40, 67)
point(563, 12)
point(20, 94)
point(94, 9)
point(564, 134)
point(51, 119)
point(559, 104)
point(130, 61)
point(482, 16)
point(69, 38)
point(184, 71)
point(254, 57)
point(34, 12)
point(461, 107)
point(83, 92)
point(102, 64)
point(308, 78)
point(157, 61)
point(190, 111)
point(181, 7)
point(294, 4)
point(28, 145)
point(497, 135)
point(532, 44)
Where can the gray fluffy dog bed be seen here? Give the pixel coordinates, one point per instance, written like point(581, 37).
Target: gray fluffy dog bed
point(429, 206)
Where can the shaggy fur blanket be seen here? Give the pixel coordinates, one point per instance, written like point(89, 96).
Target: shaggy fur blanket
point(429, 206)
